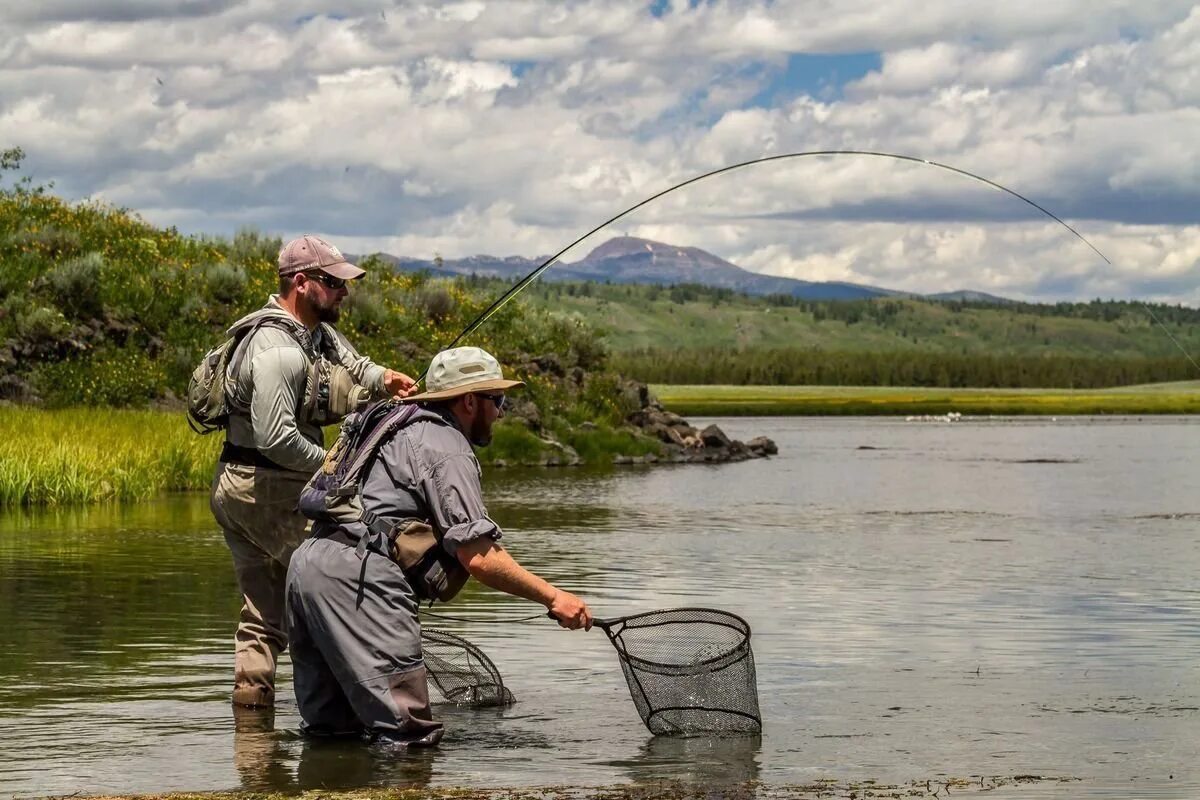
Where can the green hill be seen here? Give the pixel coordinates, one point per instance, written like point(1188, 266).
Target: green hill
point(692, 334)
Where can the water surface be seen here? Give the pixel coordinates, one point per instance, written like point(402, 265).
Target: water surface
point(993, 597)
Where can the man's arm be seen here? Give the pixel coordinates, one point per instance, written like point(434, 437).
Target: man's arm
point(491, 565)
point(382, 382)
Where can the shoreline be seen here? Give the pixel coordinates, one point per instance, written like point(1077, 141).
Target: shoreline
point(937, 786)
point(750, 401)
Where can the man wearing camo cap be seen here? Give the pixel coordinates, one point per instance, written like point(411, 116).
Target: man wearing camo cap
point(274, 442)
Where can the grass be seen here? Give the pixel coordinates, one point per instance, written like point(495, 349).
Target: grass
point(1168, 398)
point(66, 457)
point(71, 456)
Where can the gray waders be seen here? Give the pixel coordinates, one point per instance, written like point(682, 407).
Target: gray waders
point(356, 643)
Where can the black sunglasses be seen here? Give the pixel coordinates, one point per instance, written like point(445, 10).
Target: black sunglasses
point(498, 399)
point(328, 280)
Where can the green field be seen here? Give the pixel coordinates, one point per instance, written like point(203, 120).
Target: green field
point(1165, 398)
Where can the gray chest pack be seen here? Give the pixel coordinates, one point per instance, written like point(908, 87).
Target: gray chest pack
point(333, 497)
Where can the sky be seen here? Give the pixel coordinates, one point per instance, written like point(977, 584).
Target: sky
point(511, 128)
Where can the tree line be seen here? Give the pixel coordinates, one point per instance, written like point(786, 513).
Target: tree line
point(796, 367)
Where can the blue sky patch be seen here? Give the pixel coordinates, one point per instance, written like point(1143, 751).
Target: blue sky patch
point(820, 75)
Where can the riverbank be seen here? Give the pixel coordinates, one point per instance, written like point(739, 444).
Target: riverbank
point(1158, 398)
point(52, 457)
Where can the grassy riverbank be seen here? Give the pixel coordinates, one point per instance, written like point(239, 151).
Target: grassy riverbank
point(74, 456)
point(1165, 398)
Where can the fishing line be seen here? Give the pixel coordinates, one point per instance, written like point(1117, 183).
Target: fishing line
point(520, 285)
point(427, 613)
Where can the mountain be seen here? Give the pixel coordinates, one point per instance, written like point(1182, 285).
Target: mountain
point(969, 296)
point(629, 259)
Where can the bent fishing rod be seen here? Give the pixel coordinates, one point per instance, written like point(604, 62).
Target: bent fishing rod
point(520, 285)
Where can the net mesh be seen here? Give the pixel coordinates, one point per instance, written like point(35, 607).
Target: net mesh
point(461, 672)
point(690, 670)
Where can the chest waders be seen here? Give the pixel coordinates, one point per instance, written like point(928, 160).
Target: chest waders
point(332, 498)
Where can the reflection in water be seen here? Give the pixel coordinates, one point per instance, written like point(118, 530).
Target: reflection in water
point(271, 760)
point(951, 602)
point(698, 760)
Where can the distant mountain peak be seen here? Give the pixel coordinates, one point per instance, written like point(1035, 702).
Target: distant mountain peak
point(632, 259)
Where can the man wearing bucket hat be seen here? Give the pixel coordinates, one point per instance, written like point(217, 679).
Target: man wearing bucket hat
point(289, 374)
point(352, 605)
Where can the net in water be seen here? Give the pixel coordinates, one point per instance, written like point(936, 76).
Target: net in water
point(689, 670)
point(461, 671)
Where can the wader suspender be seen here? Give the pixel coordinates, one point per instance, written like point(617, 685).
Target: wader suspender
point(379, 530)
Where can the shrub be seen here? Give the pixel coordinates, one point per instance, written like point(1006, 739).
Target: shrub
point(225, 282)
point(49, 242)
point(75, 285)
point(40, 325)
point(109, 377)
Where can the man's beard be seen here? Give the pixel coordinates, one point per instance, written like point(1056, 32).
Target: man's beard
point(327, 313)
point(480, 433)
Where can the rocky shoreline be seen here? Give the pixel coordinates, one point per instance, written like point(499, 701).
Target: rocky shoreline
point(680, 441)
point(685, 443)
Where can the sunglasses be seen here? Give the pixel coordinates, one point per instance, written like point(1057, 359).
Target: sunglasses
point(498, 399)
point(328, 280)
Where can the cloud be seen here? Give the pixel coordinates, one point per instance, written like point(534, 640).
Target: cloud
point(513, 127)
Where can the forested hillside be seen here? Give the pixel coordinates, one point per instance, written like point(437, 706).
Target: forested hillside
point(695, 334)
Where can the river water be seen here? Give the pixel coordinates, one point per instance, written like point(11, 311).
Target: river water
point(977, 598)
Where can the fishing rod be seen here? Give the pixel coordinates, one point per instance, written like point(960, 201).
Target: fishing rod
point(520, 285)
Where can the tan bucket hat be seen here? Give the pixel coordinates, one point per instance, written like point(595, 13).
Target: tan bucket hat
point(462, 370)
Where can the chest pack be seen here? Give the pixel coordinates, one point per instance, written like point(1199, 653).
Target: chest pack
point(333, 496)
point(330, 392)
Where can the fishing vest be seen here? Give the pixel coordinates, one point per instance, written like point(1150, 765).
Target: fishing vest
point(332, 498)
point(330, 391)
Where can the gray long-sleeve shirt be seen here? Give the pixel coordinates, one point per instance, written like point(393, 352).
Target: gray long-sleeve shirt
point(429, 471)
point(270, 380)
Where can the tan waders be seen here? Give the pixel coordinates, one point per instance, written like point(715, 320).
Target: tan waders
point(256, 508)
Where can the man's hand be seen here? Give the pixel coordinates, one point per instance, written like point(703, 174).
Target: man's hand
point(398, 384)
point(571, 612)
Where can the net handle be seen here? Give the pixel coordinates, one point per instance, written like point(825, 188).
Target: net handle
point(606, 624)
point(602, 624)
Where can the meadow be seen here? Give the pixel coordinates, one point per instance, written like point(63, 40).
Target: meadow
point(725, 400)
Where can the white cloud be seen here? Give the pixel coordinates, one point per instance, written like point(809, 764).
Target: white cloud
point(514, 127)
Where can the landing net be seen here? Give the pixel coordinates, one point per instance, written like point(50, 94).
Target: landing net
point(689, 670)
point(461, 671)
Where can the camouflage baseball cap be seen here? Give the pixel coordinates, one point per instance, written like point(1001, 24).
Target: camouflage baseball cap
point(309, 253)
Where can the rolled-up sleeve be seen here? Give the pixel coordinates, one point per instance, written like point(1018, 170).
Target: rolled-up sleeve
point(456, 498)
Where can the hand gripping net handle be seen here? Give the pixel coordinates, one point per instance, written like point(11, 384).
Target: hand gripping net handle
point(690, 670)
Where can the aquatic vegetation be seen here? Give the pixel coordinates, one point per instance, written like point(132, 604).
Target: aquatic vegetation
point(68, 456)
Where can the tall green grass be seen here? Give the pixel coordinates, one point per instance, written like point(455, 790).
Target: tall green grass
point(68, 457)
point(71, 456)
